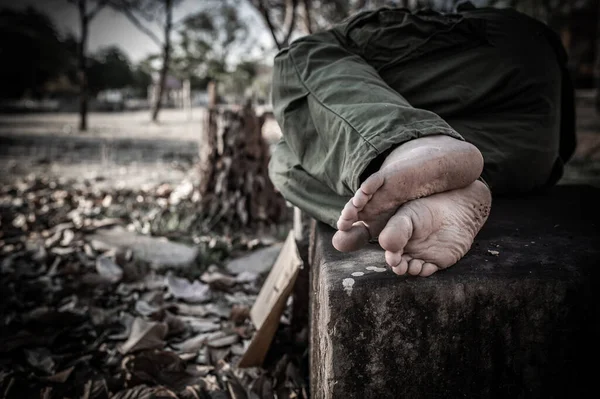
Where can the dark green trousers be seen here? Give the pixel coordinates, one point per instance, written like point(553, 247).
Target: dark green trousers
point(346, 97)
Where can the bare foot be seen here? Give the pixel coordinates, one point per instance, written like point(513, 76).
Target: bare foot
point(415, 169)
point(435, 232)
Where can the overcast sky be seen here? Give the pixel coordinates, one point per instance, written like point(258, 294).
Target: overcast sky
point(111, 28)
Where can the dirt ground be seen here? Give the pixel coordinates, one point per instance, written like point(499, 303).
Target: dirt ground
point(120, 149)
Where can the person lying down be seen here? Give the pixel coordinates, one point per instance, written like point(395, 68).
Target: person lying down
point(398, 126)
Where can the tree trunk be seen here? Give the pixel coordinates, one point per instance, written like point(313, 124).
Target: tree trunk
point(187, 98)
point(82, 65)
point(212, 94)
point(234, 184)
point(166, 60)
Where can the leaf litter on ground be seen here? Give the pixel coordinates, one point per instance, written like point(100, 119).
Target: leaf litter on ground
point(83, 318)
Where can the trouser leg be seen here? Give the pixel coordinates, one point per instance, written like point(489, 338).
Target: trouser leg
point(491, 76)
point(509, 96)
point(337, 114)
point(302, 189)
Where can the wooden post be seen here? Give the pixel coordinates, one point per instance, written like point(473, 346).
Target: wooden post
point(212, 94)
point(187, 98)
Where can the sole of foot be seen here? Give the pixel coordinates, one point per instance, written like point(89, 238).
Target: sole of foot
point(415, 169)
point(433, 233)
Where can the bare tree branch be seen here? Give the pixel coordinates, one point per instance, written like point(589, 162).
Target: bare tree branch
point(133, 19)
point(307, 17)
point(99, 6)
point(178, 24)
point(289, 20)
point(264, 11)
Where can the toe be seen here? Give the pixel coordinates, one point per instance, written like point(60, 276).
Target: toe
point(349, 212)
point(396, 233)
point(360, 199)
point(353, 239)
point(428, 269)
point(372, 184)
point(415, 266)
point(347, 218)
point(401, 268)
point(344, 225)
point(393, 258)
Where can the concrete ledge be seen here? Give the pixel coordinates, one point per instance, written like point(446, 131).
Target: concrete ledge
point(522, 323)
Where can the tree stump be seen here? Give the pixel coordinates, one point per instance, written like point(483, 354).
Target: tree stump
point(234, 184)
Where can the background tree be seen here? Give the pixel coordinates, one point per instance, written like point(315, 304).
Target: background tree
point(234, 184)
point(154, 12)
point(207, 39)
point(241, 79)
point(32, 53)
point(142, 78)
point(280, 16)
point(110, 69)
point(88, 9)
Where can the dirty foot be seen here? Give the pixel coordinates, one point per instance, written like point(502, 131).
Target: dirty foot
point(433, 233)
point(415, 169)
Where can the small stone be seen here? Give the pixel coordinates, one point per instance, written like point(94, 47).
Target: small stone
point(493, 253)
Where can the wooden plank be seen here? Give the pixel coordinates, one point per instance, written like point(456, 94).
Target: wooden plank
point(271, 301)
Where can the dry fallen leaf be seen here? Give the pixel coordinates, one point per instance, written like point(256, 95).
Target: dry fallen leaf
point(246, 277)
point(201, 325)
point(145, 335)
point(60, 377)
point(127, 321)
point(109, 269)
point(191, 310)
point(145, 392)
point(63, 303)
point(175, 323)
point(218, 280)
point(193, 344)
point(222, 342)
point(160, 368)
point(67, 237)
point(145, 309)
point(219, 309)
point(41, 359)
point(96, 389)
point(182, 289)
